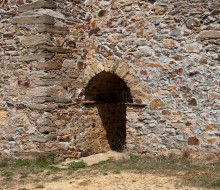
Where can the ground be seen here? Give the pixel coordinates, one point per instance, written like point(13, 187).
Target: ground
point(99, 181)
point(134, 173)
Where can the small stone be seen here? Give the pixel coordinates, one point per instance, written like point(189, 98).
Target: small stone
point(168, 43)
point(192, 23)
point(20, 2)
point(8, 35)
point(193, 141)
point(166, 112)
point(210, 127)
point(214, 140)
point(3, 118)
point(203, 61)
point(175, 32)
point(102, 13)
point(192, 48)
point(192, 102)
point(144, 72)
point(156, 103)
point(214, 95)
point(39, 139)
point(52, 137)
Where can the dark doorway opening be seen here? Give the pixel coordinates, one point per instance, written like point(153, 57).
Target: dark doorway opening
point(109, 93)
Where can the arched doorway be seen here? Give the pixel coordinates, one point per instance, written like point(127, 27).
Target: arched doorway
point(109, 93)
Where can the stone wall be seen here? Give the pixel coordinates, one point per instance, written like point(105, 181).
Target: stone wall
point(167, 53)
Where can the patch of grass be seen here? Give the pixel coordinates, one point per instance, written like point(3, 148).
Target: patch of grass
point(192, 174)
point(216, 183)
point(20, 162)
point(53, 169)
point(41, 162)
point(77, 165)
point(103, 162)
point(135, 157)
point(7, 174)
point(4, 163)
point(44, 162)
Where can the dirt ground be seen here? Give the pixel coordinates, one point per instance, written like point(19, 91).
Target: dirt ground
point(96, 180)
point(99, 172)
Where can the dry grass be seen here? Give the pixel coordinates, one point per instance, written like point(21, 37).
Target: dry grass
point(194, 174)
point(41, 170)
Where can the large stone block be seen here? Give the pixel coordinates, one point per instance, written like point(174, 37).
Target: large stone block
point(34, 40)
point(51, 13)
point(52, 29)
point(58, 100)
point(48, 65)
point(37, 92)
point(39, 139)
point(210, 34)
point(42, 107)
point(52, 81)
point(36, 57)
point(36, 19)
point(70, 64)
point(37, 5)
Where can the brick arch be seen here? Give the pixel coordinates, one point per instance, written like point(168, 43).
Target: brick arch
point(121, 69)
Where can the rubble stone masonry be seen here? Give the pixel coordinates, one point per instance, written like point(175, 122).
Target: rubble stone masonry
point(79, 77)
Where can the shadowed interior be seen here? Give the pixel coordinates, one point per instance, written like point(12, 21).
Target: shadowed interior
point(110, 93)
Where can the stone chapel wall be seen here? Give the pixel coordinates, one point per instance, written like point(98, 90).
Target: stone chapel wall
point(167, 52)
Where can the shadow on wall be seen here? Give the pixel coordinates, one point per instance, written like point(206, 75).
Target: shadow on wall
point(113, 116)
point(110, 93)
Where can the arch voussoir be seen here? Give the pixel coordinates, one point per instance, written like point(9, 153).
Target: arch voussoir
point(110, 65)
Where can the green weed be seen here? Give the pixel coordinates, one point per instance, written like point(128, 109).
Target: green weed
point(20, 162)
point(7, 174)
point(4, 163)
point(77, 165)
